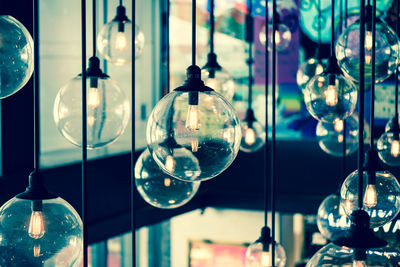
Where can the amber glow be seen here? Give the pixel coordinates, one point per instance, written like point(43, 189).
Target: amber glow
point(266, 259)
point(250, 136)
point(395, 148)
point(193, 118)
point(370, 197)
point(359, 264)
point(195, 144)
point(338, 125)
point(93, 98)
point(170, 164)
point(36, 251)
point(331, 96)
point(36, 225)
point(368, 40)
point(121, 42)
point(167, 182)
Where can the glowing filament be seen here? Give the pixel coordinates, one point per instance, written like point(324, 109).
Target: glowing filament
point(265, 259)
point(277, 37)
point(395, 148)
point(250, 136)
point(90, 120)
point(368, 59)
point(370, 197)
point(340, 138)
point(331, 96)
point(167, 182)
point(338, 125)
point(195, 144)
point(36, 225)
point(368, 40)
point(193, 118)
point(359, 264)
point(319, 69)
point(36, 251)
point(93, 98)
point(212, 83)
point(121, 43)
point(170, 164)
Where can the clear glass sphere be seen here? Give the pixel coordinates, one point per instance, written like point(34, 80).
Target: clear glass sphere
point(257, 257)
point(310, 68)
point(330, 136)
point(387, 51)
point(115, 44)
point(332, 220)
point(253, 138)
point(16, 56)
point(159, 189)
point(381, 201)
point(389, 125)
point(283, 36)
point(50, 235)
point(333, 255)
point(108, 111)
point(389, 148)
point(219, 80)
point(330, 97)
point(193, 142)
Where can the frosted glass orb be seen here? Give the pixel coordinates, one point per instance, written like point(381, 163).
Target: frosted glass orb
point(204, 138)
point(253, 136)
point(330, 97)
point(16, 56)
point(332, 220)
point(331, 136)
point(333, 255)
point(388, 147)
point(387, 51)
point(381, 201)
point(116, 46)
point(310, 68)
point(283, 36)
point(108, 111)
point(159, 189)
point(219, 80)
point(256, 256)
point(40, 233)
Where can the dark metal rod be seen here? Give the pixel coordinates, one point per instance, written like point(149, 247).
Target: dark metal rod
point(372, 114)
point(273, 144)
point(36, 90)
point(361, 105)
point(133, 140)
point(212, 26)
point(346, 14)
point(193, 32)
point(84, 137)
point(396, 98)
point(266, 173)
point(250, 39)
point(94, 26)
point(344, 151)
point(168, 47)
point(319, 25)
point(120, 2)
point(333, 29)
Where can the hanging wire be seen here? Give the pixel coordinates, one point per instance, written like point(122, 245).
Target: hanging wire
point(212, 26)
point(319, 26)
point(361, 106)
point(396, 103)
point(273, 145)
point(84, 137)
point(120, 2)
point(36, 93)
point(133, 141)
point(266, 174)
point(372, 110)
point(94, 26)
point(250, 40)
point(333, 29)
point(193, 32)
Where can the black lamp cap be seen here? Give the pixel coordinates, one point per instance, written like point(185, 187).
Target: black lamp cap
point(250, 118)
point(333, 67)
point(193, 81)
point(212, 63)
point(94, 70)
point(265, 238)
point(395, 128)
point(371, 164)
point(121, 14)
point(360, 235)
point(36, 189)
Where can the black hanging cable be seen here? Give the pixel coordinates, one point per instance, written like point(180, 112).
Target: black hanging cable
point(372, 105)
point(341, 15)
point(212, 26)
point(94, 26)
point(344, 152)
point(133, 141)
point(36, 93)
point(361, 106)
point(319, 26)
point(346, 14)
point(396, 97)
point(193, 32)
point(333, 29)
point(120, 2)
point(273, 145)
point(266, 204)
point(250, 40)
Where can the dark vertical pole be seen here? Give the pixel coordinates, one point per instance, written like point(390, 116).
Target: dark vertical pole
point(361, 106)
point(212, 26)
point(94, 9)
point(266, 121)
point(36, 93)
point(372, 115)
point(333, 29)
point(193, 32)
point(396, 98)
point(250, 40)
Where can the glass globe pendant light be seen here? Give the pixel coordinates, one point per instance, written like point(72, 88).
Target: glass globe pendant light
point(387, 50)
point(253, 134)
point(283, 36)
point(114, 39)
point(108, 109)
point(193, 133)
point(330, 96)
point(16, 56)
point(216, 77)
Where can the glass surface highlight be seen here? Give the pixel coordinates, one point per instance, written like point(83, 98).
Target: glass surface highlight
point(388, 147)
point(159, 189)
point(256, 256)
point(283, 36)
point(253, 137)
point(193, 142)
point(219, 80)
point(48, 236)
point(310, 68)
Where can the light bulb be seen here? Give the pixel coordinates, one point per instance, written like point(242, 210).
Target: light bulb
point(395, 149)
point(121, 42)
point(194, 142)
point(359, 264)
point(368, 59)
point(93, 100)
point(220, 80)
point(36, 251)
point(331, 95)
point(250, 136)
point(283, 36)
point(266, 259)
point(36, 225)
point(370, 197)
point(258, 255)
point(170, 164)
point(193, 118)
point(338, 125)
point(368, 40)
point(167, 182)
point(308, 70)
point(277, 38)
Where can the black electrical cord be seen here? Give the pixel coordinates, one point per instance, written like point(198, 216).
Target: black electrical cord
point(168, 47)
point(120, 2)
point(250, 40)
point(372, 110)
point(212, 26)
point(361, 105)
point(84, 137)
point(36, 93)
point(346, 14)
point(94, 26)
point(333, 29)
point(396, 103)
point(273, 142)
point(193, 32)
point(344, 151)
point(319, 25)
point(266, 204)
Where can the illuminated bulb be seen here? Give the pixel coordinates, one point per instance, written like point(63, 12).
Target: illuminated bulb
point(170, 164)
point(340, 138)
point(331, 96)
point(93, 98)
point(265, 259)
point(36, 251)
point(193, 118)
point(370, 197)
point(395, 148)
point(120, 42)
point(277, 38)
point(339, 126)
point(90, 120)
point(368, 59)
point(167, 182)
point(341, 211)
point(195, 144)
point(36, 225)
point(368, 40)
point(359, 264)
point(319, 69)
point(212, 83)
point(250, 136)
